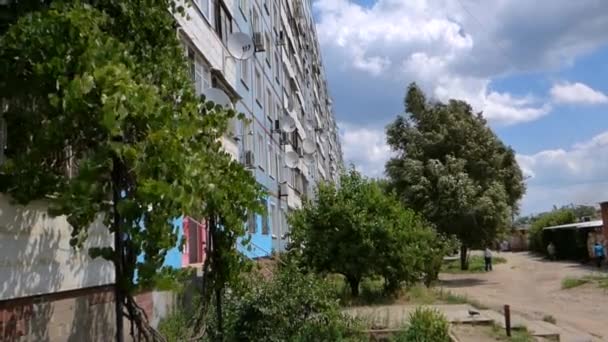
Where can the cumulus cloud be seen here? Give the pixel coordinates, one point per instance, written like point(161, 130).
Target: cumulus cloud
point(577, 93)
point(573, 175)
point(452, 48)
point(366, 148)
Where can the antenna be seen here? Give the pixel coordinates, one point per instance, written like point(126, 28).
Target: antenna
point(291, 159)
point(217, 96)
point(240, 46)
point(288, 124)
point(308, 146)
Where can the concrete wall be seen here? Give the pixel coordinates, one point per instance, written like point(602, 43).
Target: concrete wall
point(74, 316)
point(36, 256)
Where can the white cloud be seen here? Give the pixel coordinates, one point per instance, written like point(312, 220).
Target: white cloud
point(453, 50)
point(562, 176)
point(366, 148)
point(577, 93)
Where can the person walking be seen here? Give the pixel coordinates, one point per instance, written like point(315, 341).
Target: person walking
point(487, 255)
point(598, 250)
point(551, 251)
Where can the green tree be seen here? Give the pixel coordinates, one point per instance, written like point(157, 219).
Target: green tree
point(357, 230)
point(103, 123)
point(548, 219)
point(453, 169)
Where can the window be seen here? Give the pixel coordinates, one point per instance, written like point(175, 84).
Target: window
point(204, 6)
point(251, 224)
point(274, 214)
point(200, 73)
point(265, 225)
point(278, 112)
point(258, 87)
point(277, 165)
point(245, 72)
point(223, 22)
point(256, 21)
point(275, 13)
point(262, 161)
point(273, 162)
point(268, 46)
point(244, 7)
point(267, 7)
point(276, 66)
point(269, 107)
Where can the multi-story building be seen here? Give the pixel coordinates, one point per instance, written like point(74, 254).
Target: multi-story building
point(284, 78)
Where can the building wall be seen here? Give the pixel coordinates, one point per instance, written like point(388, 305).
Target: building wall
point(36, 256)
point(74, 316)
point(289, 71)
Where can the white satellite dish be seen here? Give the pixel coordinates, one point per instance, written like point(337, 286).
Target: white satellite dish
point(288, 124)
point(217, 96)
point(240, 46)
point(291, 159)
point(309, 159)
point(308, 146)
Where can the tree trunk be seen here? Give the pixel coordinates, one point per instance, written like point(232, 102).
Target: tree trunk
point(118, 249)
point(353, 282)
point(464, 262)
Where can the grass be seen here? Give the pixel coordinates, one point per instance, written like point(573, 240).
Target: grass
point(517, 335)
point(600, 280)
point(476, 264)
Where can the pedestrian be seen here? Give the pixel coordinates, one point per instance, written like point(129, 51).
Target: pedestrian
point(598, 250)
point(551, 251)
point(487, 255)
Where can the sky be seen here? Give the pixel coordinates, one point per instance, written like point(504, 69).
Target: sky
point(537, 69)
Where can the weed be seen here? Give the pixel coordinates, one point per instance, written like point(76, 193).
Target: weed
point(476, 265)
point(570, 282)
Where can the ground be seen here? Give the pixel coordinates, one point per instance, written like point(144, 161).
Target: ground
point(532, 287)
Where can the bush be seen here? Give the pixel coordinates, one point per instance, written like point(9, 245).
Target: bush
point(175, 326)
point(426, 325)
point(292, 306)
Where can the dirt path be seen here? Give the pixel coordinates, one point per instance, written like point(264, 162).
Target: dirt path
point(532, 287)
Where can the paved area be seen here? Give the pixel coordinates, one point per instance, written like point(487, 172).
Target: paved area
point(532, 287)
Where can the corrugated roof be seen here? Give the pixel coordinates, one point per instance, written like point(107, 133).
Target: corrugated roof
point(578, 225)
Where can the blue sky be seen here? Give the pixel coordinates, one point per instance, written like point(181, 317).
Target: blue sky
point(537, 69)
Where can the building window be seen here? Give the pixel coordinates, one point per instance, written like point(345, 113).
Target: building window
point(277, 165)
point(269, 107)
point(251, 224)
point(200, 72)
point(223, 22)
point(273, 162)
point(255, 20)
point(258, 87)
point(275, 220)
point(244, 7)
point(267, 7)
point(276, 66)
point(265, 225)
point(245, 72)
point(262, 161)
point(268, 48)
point(275, 13)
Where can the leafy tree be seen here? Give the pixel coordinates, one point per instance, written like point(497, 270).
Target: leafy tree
point(357, 230)
point(104, 124)
point(453, 169)
point(548, 219)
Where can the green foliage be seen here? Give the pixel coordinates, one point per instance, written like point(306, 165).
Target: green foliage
point(552, 218)
point(175, 326)
point(425, 324)
point(357, 230)
point(105, 88)
point(476, 264)
point(453, 169)
point(292, 306)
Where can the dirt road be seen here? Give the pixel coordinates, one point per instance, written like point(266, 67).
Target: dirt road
point(532, 287)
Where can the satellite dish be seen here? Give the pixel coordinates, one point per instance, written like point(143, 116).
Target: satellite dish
point(309, 159)
point(291, 159)
point(308, 146)
point(288, 124)
point(240, 46)
point(217, 96)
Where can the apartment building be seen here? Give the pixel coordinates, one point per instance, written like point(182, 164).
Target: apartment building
point(282, 81)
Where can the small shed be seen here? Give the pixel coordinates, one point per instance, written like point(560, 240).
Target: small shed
point(575, 240)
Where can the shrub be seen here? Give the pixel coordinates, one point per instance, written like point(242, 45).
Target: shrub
point(292, 306)
point(426, 324)
point(175, 326)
